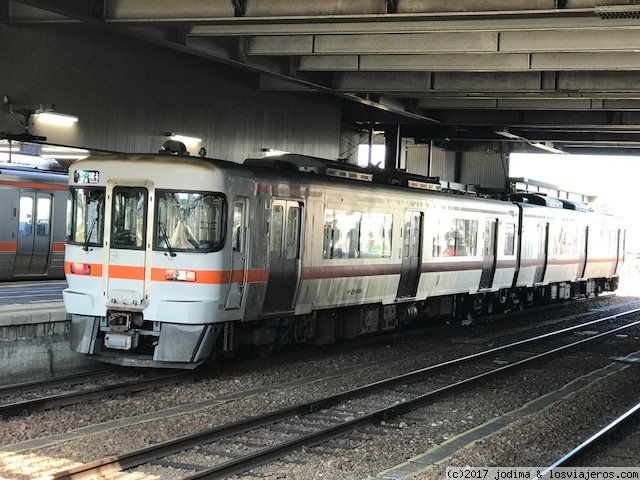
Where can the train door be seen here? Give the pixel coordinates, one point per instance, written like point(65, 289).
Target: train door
point(583, 242)
point(411, 254)
point(490, 246)
point(284, 259)
point(238, 254)
point(125, 271)
point(34, 234)
point(619, 248)
point(543, 249)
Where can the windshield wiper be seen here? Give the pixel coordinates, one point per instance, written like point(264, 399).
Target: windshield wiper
point(85, 247)
point(165, 237)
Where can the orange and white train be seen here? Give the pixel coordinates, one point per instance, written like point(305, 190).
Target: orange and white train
point(33, 206)
point(172, 261)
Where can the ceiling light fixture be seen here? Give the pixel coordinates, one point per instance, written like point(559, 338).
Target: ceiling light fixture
point(55, 117)
point(546, 146)
point(270, 152)
point(184, 138)
point(9, 146)
point(42, 112)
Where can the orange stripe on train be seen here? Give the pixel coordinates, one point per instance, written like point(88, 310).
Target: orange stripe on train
point(212, 277)
point(126, 272)
point(8, 246)
point(37, 186)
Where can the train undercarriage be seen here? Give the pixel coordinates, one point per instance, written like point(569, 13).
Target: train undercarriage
point(327, 326)
point(125, 338)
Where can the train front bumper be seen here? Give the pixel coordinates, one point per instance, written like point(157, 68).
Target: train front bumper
point(176, 346)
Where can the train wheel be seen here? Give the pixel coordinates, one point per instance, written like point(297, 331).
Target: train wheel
point(262, 351)
point(468, 320)
point(213, 361)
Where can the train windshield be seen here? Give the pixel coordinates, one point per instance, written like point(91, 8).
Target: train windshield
point(188, 221)
point(128, 215)
point(85, 216)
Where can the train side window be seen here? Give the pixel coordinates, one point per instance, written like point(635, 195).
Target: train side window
point(26, 216)
point(509, 238)
point(43, 217)
point(375, 239)
point(565, 241)
point(238, 221)
point(189, 221)
point(292, 234)
point(349, 243)
point(406, 239)
point(331, 234)
point(277, 229)
point(456, 238)
point(341, 234)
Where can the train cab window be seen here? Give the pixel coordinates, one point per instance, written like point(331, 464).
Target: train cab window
point(85, 216)
point(189, 221)
point(128, 228)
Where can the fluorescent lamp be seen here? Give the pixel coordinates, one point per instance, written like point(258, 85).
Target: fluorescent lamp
point(6, 146)
point(548, 148)
point(63, 153)
point(541, 145)
point(270, 152)
point(185, 139)
point(57, 118)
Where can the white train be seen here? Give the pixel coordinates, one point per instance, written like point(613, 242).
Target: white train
point(172, 261)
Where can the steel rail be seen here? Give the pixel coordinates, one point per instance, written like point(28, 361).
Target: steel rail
point(597, 439)
point(138, 457)
point(64, 399)
point(259, 458)
point(54, 381)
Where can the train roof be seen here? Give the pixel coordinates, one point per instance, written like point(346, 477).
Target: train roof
point(301, 165)
point(294, 163)
point(544, 200)
point(28, 171)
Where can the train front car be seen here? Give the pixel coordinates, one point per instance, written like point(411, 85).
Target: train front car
point(145, 258)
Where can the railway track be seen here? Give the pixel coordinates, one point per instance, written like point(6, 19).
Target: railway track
point(599, 439)
point(76, 388)
point(73, 389)
point(62, 381)
point(243, 445)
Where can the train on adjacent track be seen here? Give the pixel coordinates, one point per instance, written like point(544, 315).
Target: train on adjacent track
point(33, 207)
point(172, 261)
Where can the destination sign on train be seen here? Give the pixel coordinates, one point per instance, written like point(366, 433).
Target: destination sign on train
point(86, 176)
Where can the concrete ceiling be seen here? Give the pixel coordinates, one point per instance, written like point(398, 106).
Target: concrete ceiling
point(496, 74)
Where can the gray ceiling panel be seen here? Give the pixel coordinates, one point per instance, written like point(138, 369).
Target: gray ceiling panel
point(407, 43)
point(538, 67)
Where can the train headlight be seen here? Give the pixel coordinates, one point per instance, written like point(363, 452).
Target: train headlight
point(81, 268)
point(180, 275)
